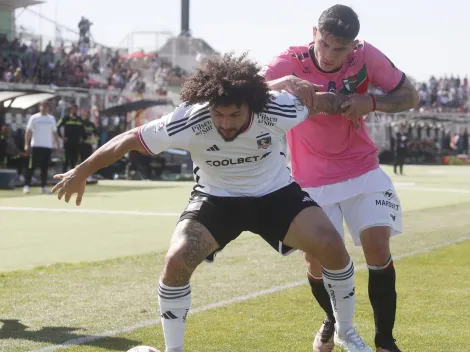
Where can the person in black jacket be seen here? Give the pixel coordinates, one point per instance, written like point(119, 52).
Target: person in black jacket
point(401, 144)
point(73, 133)
point(89, 138)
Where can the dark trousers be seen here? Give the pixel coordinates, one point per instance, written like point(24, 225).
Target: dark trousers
point(399, 161)
point(71, 156)
point(85, 151)
point(39, 157)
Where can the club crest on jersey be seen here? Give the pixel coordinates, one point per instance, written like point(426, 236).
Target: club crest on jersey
point(264, 141)
point(160, 126)
point(357, 83)
point(350, 83)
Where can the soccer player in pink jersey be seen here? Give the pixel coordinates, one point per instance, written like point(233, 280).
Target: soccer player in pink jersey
point(334, 159)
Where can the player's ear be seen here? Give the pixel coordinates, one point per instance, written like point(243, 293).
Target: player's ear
point(314, 32)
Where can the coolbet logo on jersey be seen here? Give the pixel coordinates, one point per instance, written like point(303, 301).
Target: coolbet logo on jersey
point(237, 161)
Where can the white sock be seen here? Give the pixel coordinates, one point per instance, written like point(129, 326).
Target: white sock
point(340, 286)
point(174, 307)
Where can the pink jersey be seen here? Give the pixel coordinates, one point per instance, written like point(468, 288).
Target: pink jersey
point(327, 149)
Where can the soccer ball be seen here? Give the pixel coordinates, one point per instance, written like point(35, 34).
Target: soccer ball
point(143, 349)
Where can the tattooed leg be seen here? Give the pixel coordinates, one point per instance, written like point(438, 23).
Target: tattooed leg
point(190, 245)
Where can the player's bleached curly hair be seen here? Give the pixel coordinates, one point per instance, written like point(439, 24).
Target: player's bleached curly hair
point(230, 80)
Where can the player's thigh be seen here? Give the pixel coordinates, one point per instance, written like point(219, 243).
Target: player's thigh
point(297, 222)
point(222, 217)
point(371, 219)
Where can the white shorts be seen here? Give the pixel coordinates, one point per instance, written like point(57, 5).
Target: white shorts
point(366, 201)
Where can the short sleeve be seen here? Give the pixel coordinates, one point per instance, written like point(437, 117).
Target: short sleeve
point(382, 71)
point(280, 66)
point(158, 135)
point(284, 111)
point(30, 125)
point(54, 124)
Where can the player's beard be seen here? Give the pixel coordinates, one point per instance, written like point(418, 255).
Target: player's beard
point(231, 138)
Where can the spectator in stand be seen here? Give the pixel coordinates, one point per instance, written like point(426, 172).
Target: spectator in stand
point(84, 66)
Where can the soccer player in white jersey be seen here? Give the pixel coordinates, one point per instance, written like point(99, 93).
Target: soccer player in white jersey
point(232, 125)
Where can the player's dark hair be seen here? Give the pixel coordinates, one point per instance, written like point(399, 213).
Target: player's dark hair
point(340, 21)
point(230, 80)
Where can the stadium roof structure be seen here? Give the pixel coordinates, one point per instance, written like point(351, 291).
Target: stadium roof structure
point(16, 4)
point(23, 99)
point(142, 104)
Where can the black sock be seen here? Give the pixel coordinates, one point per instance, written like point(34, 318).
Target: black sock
point(322, 297)
point(383, 298)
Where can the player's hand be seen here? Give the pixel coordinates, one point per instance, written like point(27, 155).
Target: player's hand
point(357, 106)
point(70, 183)
point(304, 90)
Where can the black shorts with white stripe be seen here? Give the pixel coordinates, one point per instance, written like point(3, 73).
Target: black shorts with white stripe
point(268, 216)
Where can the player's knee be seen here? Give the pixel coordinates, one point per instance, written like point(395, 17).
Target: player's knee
point(376, 244)
point(176, 271)
point(313, 264)
point(329, 237)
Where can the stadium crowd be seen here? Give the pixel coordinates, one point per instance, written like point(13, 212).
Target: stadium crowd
point(82, 67)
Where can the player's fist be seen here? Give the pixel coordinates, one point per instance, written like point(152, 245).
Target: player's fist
point(305, 91)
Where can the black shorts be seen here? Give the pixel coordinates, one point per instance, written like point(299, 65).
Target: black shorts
point(268, 216)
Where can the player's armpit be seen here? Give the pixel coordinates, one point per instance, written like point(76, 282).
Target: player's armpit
point(404, 98)
point(330, 103)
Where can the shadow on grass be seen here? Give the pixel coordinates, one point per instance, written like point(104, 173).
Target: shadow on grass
point(57, 335)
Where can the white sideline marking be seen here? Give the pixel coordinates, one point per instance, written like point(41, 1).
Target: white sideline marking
point(147, 323)
point(89, 211)
point(445, 190)
point(405, 185)
point(401, 184)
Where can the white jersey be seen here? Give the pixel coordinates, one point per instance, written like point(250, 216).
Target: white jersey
point(252, 165)
point(42, 127)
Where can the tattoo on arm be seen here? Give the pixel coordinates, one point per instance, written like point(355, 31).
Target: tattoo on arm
point(197, 247)
point(405, 98)
point(330, 103)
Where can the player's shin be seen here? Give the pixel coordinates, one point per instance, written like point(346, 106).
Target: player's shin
point(321, 295)
point(174, 306)
point(383, 297)
point(340, 286)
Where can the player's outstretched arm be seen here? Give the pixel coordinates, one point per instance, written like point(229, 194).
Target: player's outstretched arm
point(74, 181)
